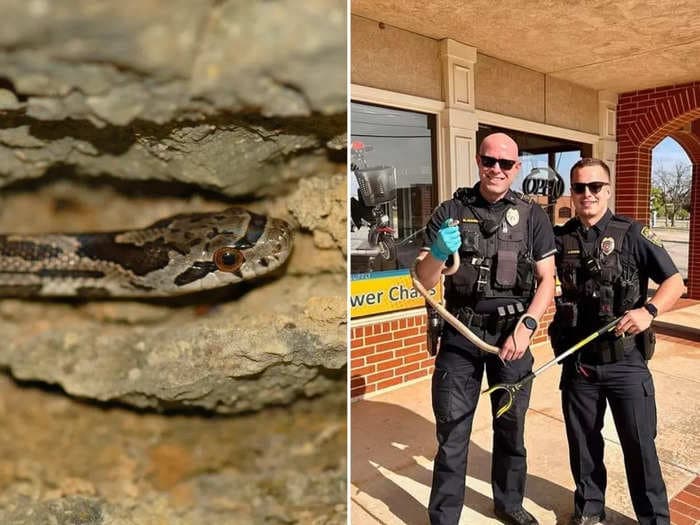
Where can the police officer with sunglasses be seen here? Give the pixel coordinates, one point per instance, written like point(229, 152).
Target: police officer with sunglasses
point(502, 288)
point(604, 262)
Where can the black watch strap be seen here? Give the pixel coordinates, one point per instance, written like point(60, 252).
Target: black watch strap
point(649, 307)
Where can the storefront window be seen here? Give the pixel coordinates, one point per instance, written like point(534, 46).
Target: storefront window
point(391, 198)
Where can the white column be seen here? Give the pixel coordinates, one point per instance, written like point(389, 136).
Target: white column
point(458, 120)
point(606, 148)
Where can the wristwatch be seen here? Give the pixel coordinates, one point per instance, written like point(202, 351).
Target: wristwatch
point(649, 307)
point(529, 322)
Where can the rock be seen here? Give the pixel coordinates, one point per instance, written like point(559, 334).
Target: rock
point(110, 106)
point(320, 205)
point(8, 100)
point(224, 95)
point(89, 464)
point(115, 115)
point(238, 356)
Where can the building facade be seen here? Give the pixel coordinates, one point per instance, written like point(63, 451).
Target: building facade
point(420, 107)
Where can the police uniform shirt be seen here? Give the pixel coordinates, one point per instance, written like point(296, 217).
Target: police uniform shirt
point(543, 244)
point(640, 245)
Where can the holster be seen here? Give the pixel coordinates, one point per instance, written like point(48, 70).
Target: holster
point(566, 314)
point(647, 343)
point(604, 350)
point(558, 338)
point(560, 329)
point(434, 330)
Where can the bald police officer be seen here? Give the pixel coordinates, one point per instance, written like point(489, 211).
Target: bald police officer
point(604, 262)
point(506, 246)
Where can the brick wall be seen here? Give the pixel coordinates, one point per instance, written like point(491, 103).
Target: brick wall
point(644, 118)
point(390, 353)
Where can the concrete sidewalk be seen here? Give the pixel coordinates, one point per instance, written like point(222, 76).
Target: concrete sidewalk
point(393, 443)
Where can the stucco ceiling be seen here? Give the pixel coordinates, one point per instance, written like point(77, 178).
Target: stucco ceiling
point(618, 46)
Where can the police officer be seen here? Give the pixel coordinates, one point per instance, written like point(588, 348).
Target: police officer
point(604, 262)
point(502, 288)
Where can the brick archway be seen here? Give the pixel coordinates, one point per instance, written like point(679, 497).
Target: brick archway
point(643, 119)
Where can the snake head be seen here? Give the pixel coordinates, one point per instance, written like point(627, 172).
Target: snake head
point(264, 247)
point(228, 247)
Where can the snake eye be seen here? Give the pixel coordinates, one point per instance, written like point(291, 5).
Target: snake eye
point(228, 259)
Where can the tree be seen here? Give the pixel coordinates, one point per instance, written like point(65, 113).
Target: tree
point(671, 189)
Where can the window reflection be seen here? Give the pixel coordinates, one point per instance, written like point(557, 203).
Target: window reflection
point(391, 186)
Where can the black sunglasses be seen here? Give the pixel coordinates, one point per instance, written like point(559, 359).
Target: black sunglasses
point(490, 162)
point(594, 187)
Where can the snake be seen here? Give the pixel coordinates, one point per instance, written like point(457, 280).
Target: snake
point(441, 310)
point(177, 255)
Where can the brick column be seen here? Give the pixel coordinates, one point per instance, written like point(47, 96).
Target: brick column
point(643, 119)
point(694, 247)
point(690, 142)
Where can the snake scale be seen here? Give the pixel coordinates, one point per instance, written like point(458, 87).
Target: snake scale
point(181, 254)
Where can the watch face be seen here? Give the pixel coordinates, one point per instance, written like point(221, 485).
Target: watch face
point(530, 323)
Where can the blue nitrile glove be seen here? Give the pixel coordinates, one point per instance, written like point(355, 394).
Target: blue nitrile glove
point(447, 242)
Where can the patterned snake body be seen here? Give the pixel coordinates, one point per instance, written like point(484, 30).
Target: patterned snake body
point(181, 254)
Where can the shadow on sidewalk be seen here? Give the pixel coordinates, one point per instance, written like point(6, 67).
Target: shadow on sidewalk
point(389, 444)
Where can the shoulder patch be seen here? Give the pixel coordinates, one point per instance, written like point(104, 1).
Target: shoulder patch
point(650, 236)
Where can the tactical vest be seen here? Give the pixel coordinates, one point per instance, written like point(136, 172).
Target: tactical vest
point(496, 253)
point(598, 277)
point(598, 283)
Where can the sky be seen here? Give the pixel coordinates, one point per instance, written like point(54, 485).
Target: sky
point(667, 153)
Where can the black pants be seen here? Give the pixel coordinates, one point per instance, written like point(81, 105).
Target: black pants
point(628, 388)
point(456, 388)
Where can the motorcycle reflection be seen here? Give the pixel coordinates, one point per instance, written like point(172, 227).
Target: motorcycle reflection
point(376, 189)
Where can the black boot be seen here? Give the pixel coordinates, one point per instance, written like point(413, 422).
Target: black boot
point(588, 519)
point(517, 517)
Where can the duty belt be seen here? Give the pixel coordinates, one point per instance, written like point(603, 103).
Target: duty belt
point(504, 317)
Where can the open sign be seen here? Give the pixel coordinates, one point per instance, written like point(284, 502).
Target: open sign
point(543, 181)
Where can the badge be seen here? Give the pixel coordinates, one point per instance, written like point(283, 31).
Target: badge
point(650, 236)
point(607, 245)
point(512, 216)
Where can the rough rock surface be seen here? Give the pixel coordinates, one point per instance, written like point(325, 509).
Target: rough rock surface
point(230, 358)
point(69, 463)
point(235, 96)
point(114, 115)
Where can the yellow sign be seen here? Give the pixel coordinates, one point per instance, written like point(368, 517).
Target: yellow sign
point(381, 292)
